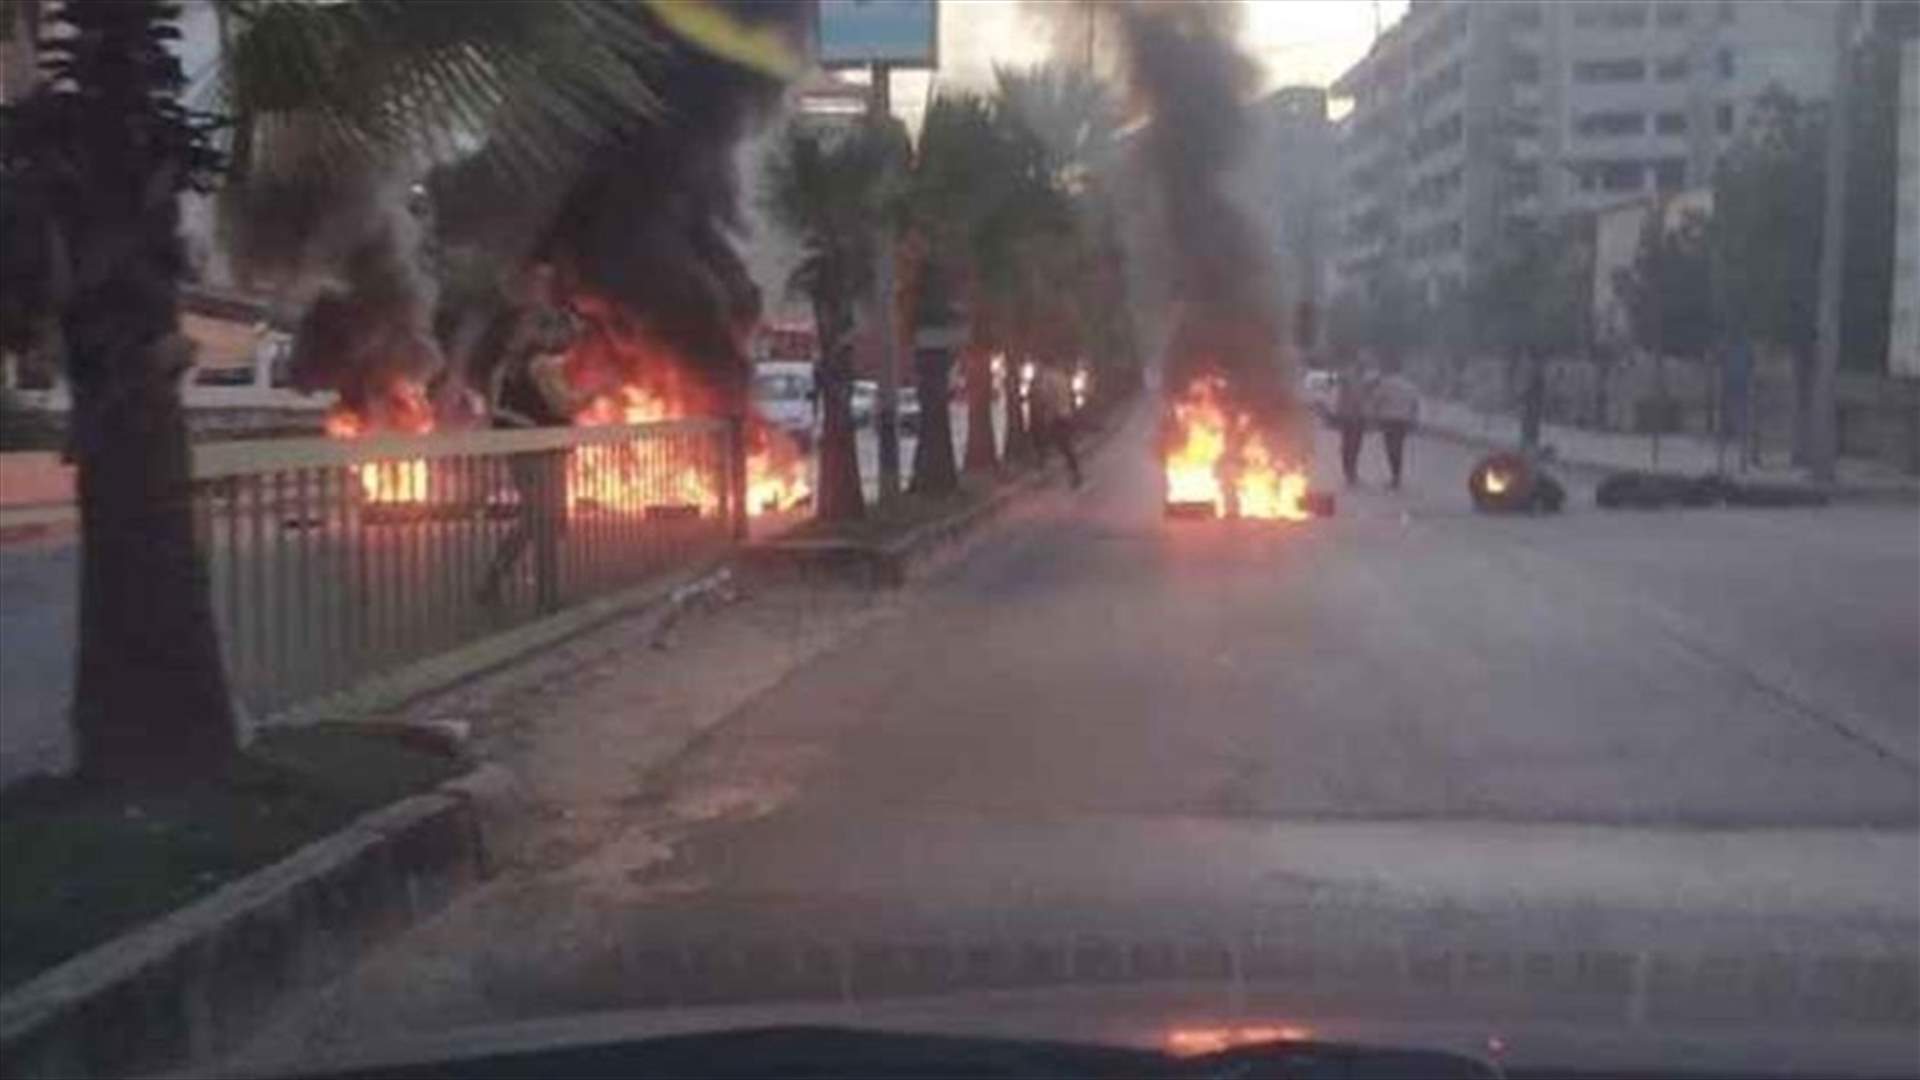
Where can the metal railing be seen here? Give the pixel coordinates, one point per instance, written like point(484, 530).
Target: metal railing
point(333, 561)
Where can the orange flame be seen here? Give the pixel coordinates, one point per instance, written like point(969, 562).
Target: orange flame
point(1263, 486)
point(617, 476)
point(656, 384)
point(614, 477)
point(400, 406)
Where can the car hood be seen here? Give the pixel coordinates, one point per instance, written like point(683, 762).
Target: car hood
point(1180, 1019)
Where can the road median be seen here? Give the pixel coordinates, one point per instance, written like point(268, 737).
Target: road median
point(899, 542)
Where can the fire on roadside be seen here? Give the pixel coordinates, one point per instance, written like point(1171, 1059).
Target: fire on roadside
point(612, 475)
point(1204, 469)
point(615, 477)
point(400, 406)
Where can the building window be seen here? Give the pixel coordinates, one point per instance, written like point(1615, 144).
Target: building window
point(1523, 68)
point(1671, 14)
point(1723, 118)
point(1672, 69)
point(1726, 11)
point(1523, 180)
point(1609, 71)
point(1619, 175)
point(1524, 15)
point(1610, 14)
point(1725, 61)
point(1612, 123)
point(1670, 123)
point(1670, 174)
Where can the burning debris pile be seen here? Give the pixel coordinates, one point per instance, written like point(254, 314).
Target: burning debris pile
point(1234, 441)
point(636, 250)
point(1203, 480)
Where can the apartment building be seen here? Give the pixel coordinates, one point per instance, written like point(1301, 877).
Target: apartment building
point(1285, 181)
point(1469, 113)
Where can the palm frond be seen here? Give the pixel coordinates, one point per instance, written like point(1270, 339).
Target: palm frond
point(323, 86)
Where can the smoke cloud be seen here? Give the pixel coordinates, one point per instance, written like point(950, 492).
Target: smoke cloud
point(651, 225)
point(369, 328)
point(1193, 84)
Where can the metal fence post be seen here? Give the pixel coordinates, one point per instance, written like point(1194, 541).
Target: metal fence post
point(737, 474)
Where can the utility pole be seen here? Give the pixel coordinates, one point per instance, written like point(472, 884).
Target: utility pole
point(887, 408)
point(1821, 417)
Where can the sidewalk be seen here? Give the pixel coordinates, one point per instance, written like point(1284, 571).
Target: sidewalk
point(36, 496)
point(1689, 455)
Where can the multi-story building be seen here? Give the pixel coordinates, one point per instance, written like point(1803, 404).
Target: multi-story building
point(1903, 342)
point(1469, 113)
point(1287, 175)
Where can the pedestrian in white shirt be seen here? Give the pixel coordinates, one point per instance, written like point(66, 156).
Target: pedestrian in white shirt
point(1395, 405)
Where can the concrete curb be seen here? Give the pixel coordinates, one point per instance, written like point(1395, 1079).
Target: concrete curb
point(891, 564)
point(195, 983)
point(1868, 494)
point(24, 523)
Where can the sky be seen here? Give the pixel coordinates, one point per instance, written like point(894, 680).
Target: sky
point(1294, 41)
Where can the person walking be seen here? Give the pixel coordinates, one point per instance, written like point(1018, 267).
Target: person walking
point(1052, 411)
point(1395, 405)
point(530, 389)
point(1350, 419)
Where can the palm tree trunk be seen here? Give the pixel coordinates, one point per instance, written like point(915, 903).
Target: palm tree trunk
point(840, 497)
point(150, 699)
point(150, 695)
point(934, 472)
point(983, 455)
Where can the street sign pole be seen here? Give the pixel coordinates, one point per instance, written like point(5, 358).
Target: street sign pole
point(887, 408)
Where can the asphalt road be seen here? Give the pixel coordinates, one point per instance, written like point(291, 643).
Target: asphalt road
point(1643, 783)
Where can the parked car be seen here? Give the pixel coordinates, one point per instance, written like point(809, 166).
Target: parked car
point(783, 393)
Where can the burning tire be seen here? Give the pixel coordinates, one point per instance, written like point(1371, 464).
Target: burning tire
point(1510, 483)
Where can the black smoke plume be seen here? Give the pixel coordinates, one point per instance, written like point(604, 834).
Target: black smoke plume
point(1194, 85)
point(651, 225)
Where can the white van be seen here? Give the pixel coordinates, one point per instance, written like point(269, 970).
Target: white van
point(783, 393)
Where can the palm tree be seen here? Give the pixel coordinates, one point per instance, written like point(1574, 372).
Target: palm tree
point(1069, 118)
point(1070, 115)
point(960, 185)
point(92, 166)
point(829, 189)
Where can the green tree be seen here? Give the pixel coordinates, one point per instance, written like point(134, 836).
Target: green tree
point(830, 189)
point(1382, 315)
point(1529, 301)
point(1768, 191)
point(957, 186)
point(1667, 291)
point(1052, 280)
point(92, 164)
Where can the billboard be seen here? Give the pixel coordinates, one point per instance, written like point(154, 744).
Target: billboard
point(855, 33)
